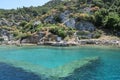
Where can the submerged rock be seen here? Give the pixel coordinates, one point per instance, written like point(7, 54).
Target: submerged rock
point(84, 72)
point(59, 72)
point(70, 68)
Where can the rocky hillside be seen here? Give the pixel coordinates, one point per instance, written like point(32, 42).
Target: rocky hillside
point(67, 19)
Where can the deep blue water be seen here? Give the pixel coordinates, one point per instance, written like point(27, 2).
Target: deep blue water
point(8, 72)
point(50, 57)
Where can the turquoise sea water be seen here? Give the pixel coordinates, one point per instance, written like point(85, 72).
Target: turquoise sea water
point(51, 57)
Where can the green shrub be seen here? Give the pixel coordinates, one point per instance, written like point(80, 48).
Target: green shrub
point(23, 23)
point(97, 34)
point(112, 21)
point(59, 31)
point(100, 16)
point(21, 35)
point(1, 39)
point(57, 18)
point(83, 33)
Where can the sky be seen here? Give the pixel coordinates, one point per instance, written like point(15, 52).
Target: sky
point(13, 4)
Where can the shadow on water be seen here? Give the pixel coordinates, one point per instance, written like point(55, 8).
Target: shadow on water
point(88, 72)
point(8, 72)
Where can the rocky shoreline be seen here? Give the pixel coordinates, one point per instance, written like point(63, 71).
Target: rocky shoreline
point(83, 42)
point(91, 42)
point(100, 42)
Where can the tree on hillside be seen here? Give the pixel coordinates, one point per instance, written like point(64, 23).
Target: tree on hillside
point(112, 21)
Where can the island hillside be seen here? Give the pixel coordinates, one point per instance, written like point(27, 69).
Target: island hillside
point(63, 22)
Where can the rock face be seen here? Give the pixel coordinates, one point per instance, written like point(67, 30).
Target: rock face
point(64, 16)
point(14, 20)
point(83, 25)
point(6, 35)
point(4, 22)
point(70, 23)
point(19, 17)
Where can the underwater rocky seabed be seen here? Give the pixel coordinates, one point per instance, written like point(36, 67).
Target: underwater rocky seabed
point(75, 63)
point(54, 73)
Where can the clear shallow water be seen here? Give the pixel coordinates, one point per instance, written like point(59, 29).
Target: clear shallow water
point(49, 57)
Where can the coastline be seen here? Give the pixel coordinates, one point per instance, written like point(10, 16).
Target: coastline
point(86, 42)
point(81, 43)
